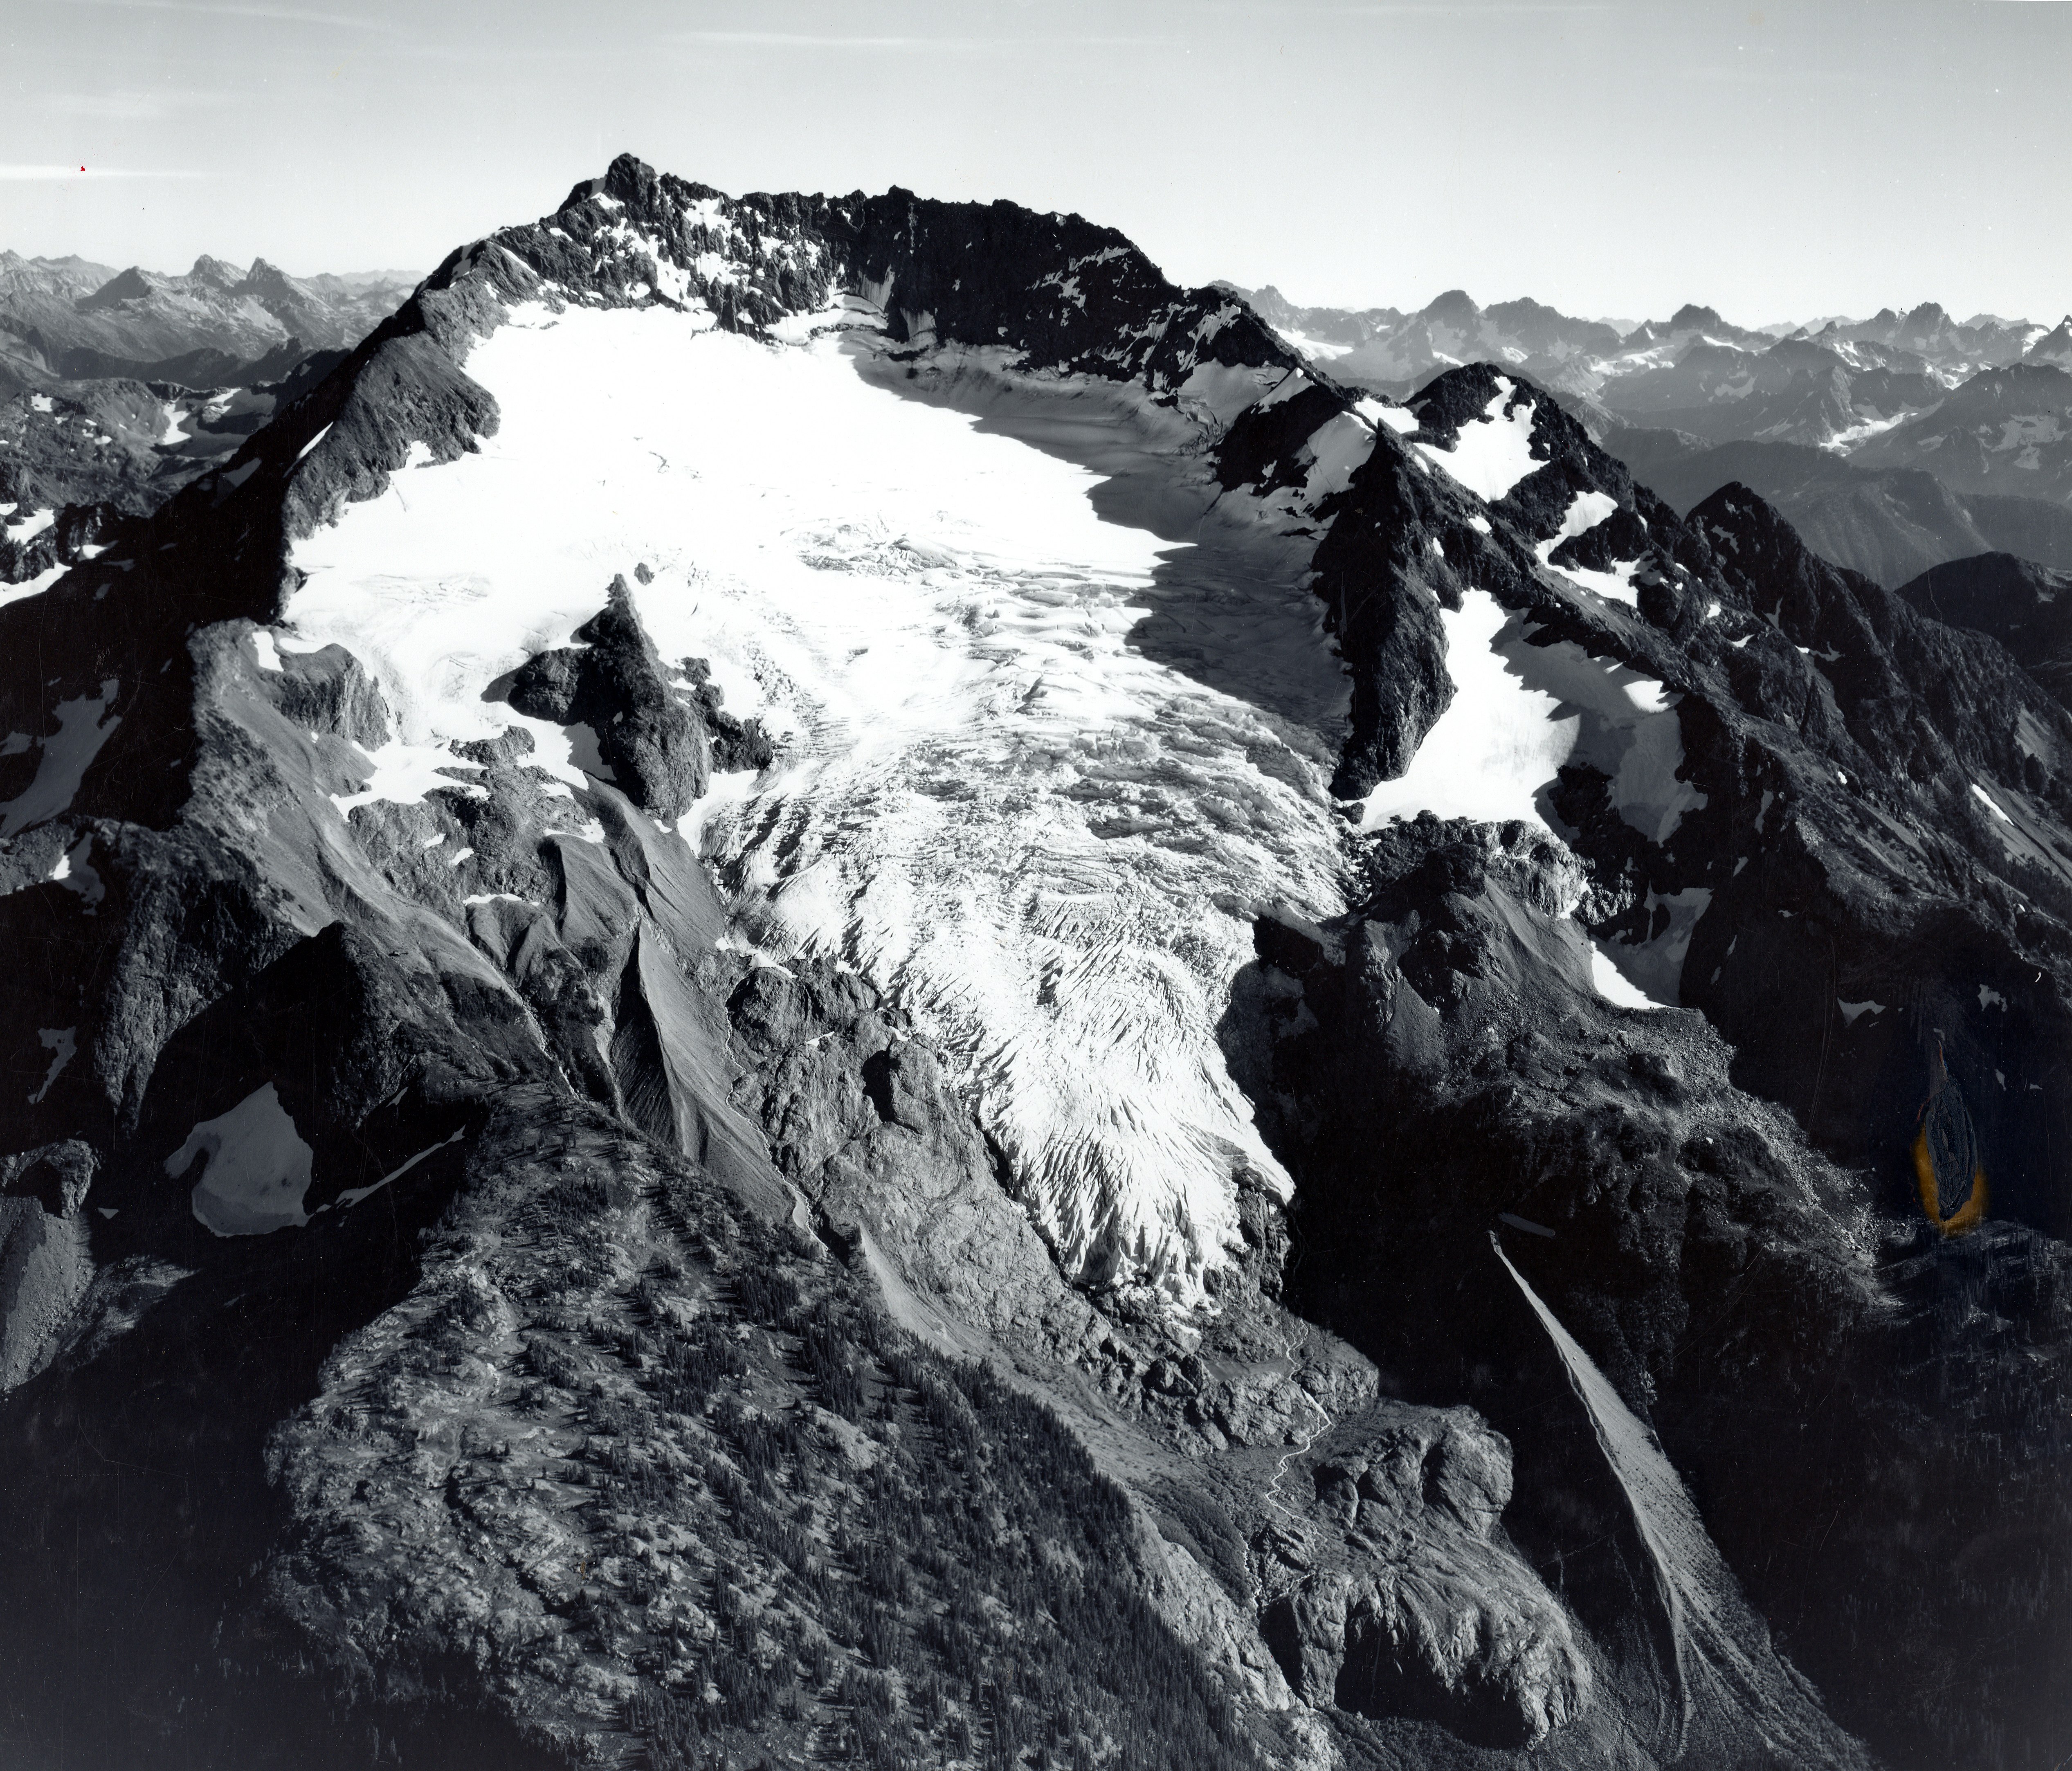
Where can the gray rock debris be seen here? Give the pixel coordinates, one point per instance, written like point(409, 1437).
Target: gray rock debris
point(1410, 1599)
point(44, 1265)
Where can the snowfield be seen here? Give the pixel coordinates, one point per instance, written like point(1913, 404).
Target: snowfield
point(1014, 786)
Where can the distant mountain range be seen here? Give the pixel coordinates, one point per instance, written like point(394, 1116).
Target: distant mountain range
point(64, 319)
point(1983, 406)
point(118, 388)
point(1891, 524)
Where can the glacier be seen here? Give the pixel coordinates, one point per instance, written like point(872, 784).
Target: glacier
point(1051, 715)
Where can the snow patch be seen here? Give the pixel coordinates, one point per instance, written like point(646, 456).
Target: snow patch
point(1655, 966)
point(32, 587)
point(1336, 450)
point(256, 1168)
point(404, 773)
point(1613, 985)
point(1586, 511)
point(1520, 711)
point(351, 1196)
point(84, 726)
point(1214, 394)
point(1491, 454)
point(1399, 419)
point(1990, 803)
point(62, 1043)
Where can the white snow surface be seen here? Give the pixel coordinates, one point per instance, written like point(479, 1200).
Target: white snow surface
point(1613, 985)
point(403, 774)
point(1338, 449)
point(1586, 511)
point(257, 1169)
point(1655, 966)
point(1990, 803)
point(84, 726)
point(30, 587)
point(1399, 419)
point(1519, 713)
point(1491, 454)
point(988, 799)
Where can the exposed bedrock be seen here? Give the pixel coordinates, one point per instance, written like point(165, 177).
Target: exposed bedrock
point(1858, 843)
point(1413, 1605)
point(1735, 1290)
point(859, 1115)
point(656, 748)
point(44, 1265)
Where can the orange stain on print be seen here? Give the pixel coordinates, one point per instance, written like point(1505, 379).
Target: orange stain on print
point(1967, 1216)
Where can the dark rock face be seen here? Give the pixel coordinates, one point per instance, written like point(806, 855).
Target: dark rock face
point(44, 1267)
point(858, 1115)
point(2013, 600)
point(1064, 293)
point(736, 744)
point(1684, 1232)
point(656, 751)
point(1876, 828)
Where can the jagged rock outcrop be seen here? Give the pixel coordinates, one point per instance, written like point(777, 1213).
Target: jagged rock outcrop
point(611, 682)
point(1408, 1607)
point(44, 1267)
point(859, 1115)
point(1679, 1229)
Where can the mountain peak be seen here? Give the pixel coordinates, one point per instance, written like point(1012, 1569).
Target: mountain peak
point(129, 286)
point(1455, 307)
point(263, 275)
point(1690, 317)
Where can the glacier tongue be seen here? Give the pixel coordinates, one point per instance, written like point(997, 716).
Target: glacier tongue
point(990, 799)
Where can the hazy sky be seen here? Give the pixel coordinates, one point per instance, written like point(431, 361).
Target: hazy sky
point(1614, 158)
